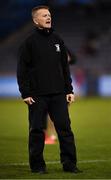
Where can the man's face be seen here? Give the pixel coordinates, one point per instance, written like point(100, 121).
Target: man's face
point(42, 18)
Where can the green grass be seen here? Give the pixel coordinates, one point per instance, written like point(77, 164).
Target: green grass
point(91, 124)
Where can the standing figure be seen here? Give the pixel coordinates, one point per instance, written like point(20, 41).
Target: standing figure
point(45, 85)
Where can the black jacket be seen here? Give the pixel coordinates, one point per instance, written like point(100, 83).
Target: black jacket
point(43, 67)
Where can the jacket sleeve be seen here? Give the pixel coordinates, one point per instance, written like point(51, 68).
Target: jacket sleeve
point(66, 71)
point(23, 70)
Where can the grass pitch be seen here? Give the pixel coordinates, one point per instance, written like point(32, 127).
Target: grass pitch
point(91, 124)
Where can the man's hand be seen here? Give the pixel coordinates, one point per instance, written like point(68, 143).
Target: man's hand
point(29, 100)
point(70, 98)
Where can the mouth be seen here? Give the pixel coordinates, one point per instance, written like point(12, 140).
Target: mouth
point(48, 22)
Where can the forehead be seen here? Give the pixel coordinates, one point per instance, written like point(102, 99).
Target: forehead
point(42, 12)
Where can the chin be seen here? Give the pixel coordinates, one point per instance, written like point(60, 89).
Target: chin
point(48, 27)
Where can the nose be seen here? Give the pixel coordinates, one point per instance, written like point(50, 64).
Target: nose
point(48, 17)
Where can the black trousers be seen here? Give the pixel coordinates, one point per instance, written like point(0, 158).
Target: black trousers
point(56, 106)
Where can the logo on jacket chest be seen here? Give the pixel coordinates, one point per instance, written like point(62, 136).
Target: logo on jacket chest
point(57, 47)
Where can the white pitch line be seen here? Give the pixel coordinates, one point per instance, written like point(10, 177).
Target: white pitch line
point(94, 160)
point(56, 162)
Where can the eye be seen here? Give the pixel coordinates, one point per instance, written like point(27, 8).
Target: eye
point(47, 15)
point(44, 15)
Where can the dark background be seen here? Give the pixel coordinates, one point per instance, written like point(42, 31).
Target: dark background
point(85, 26)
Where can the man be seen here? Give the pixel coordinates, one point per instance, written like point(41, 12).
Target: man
point(45, 85)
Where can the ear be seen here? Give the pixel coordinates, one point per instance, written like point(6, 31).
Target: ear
point(35, 21)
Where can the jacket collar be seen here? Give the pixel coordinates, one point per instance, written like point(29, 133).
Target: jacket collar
point(45, 31)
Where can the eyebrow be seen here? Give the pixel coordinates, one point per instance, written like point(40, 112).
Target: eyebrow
point(46, 14)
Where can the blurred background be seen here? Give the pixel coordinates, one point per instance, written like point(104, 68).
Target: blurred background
point(85, 26)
